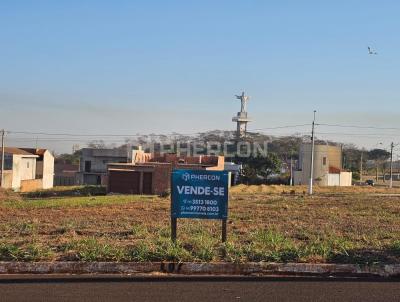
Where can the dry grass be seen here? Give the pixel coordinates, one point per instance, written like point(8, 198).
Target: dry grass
point(9, 195)
point(265, 224)
point(278, 189)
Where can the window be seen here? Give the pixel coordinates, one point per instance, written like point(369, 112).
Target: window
point(88, 165)
point(324, 161)
point(8, 162)
point(27, 165)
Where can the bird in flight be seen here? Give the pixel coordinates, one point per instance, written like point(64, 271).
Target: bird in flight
point(371, 51)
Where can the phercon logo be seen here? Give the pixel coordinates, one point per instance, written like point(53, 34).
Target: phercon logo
point(187, 176)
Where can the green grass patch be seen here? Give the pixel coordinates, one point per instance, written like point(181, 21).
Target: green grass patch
point(89, 201)
point(269, 245)
point(91, 249)
point(29, 252)
point(68, 191)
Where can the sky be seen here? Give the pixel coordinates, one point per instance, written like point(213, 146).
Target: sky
point(128, 67)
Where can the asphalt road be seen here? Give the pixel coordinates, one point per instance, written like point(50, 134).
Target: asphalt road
point(113, 288)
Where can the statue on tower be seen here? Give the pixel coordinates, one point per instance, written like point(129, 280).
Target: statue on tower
point(241, 119)
point(243, 99)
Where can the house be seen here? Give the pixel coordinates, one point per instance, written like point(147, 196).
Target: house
point(151, 174)
point(27, 169)
point(93, 164)
point(327, 166)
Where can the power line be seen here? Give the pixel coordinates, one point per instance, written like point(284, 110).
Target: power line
point(280, 127)
point(62, 136)
point(84, 135)
point(358, 134)
point(60, 140)
point(360, 127)
point(297, 134)
point(137, 135)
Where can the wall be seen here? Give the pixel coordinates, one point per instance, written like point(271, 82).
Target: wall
point(7, 179)
point(320, 169)
point(91, 179)
point(343, 179)
point(27, 168)
point(65, 174)
point(335, 157)
point(60, 180)
point(333, 180)
point(114, 174)
point(21, 170)
point(30, 185)
point(346, 179)
point(48, 170)
point(162, 178)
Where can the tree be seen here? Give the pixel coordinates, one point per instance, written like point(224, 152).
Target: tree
point(256, 169)
point(352, 157)
point(378, 154)
point(97, 144)
point(66, 158)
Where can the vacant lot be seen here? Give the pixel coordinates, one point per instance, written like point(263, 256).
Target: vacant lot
point(266, 223)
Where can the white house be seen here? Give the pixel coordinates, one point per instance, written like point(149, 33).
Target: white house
point(27, 169)
point(327, 169)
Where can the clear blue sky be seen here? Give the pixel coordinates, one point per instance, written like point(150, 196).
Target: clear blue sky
point(162, 66)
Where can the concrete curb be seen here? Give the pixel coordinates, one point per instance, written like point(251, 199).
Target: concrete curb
point(233, 269)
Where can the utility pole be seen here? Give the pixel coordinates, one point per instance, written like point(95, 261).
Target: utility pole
point(2, 157)
point(343, 157)
point(377, 165)
point(361, 167)
point(291, 169)
point(391, 165)
point(310, 187)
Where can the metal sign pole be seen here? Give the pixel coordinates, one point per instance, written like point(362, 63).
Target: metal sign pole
point(173, 229)
point(223, 230)
point(2, 158)
point(173, 219)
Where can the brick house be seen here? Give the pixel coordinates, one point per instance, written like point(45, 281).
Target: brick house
point(148, 174)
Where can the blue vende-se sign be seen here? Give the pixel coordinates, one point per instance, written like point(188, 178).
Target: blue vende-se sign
point(199, 194)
